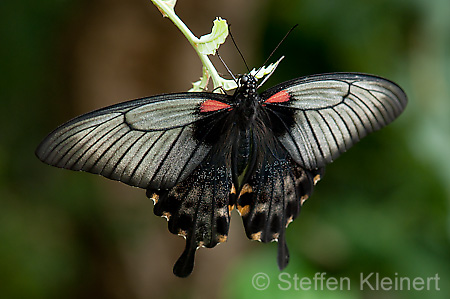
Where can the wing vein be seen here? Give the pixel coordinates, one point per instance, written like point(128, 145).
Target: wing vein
point(289, 133)
point(144, 156)
point(160, 164)
point(319, 146)
point(92, 145)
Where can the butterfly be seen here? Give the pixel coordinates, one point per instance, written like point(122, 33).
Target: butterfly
point(199, 155)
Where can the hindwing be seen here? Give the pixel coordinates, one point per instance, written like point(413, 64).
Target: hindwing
point(198, 208)
point(273, 195)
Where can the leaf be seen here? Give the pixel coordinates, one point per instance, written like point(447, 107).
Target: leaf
point(209, 43)
point(265, 70)
point(201, 85)
point(228, 84)
point(196, 86)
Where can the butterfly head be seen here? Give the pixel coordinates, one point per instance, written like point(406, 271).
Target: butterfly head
point(247, 85)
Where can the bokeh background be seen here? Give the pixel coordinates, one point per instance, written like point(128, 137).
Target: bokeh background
point(382, 207)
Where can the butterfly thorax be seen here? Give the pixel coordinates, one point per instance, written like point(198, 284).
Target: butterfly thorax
point(246, 99)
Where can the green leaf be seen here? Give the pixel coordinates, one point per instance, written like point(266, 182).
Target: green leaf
point(209, 43)
point(201, 85)
point(228, 84)
point(197, 86)
point(265, 70)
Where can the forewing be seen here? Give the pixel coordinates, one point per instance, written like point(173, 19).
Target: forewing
point(147, 143)
point(319, 117)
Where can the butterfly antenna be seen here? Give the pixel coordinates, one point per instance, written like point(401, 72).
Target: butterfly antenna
point(237, 48)
point(279, 44)
point(225, 65)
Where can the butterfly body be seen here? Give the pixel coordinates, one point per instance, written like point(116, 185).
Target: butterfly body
point(201, 155)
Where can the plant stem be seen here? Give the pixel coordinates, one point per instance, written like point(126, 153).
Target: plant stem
point(193, 40)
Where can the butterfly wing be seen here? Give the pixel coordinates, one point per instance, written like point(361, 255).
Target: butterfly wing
point(198, 208)
point(319, 117)
point(273, 195)
point(148, 143)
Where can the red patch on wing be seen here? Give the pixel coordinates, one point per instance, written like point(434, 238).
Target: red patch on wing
point(279, 97)
point(212, 105)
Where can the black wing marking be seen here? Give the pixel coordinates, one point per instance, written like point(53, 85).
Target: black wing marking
point(198, 208)
point(324, 115)
point(272, 198)
point(145, 143)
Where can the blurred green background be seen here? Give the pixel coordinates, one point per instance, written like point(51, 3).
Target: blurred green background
point(382, 207)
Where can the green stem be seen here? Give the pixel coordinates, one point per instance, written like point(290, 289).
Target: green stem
point(193, 40)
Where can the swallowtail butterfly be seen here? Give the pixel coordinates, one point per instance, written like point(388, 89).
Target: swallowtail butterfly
point(200, 155)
